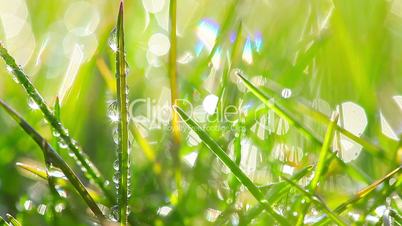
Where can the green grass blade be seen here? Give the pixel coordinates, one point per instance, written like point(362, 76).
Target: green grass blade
point(123, 143)
point(12, 220)
point(55, 159)
point(277, 109)
point(172, 68)
point(324, 151)
point(3, 222)
point(91, 171)
point(317, 202)
point(363, 193)
point(221, 154)
point(41, 173)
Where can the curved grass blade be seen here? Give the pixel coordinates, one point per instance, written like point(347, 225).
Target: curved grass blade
point(92, 172)
point(221, 154)
point(55, 159)
point(363, 193)
point(123, 143)
point(12, 220)
point(317, 202)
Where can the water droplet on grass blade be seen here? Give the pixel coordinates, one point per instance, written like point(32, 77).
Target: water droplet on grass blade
point(32, 104)
point(116, 165)
point(286, 93)
point(113, 40)
point(164, 211)
point(42, 209)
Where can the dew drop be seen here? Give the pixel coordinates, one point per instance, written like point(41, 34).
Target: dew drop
point(32, 104)
point(114, 214)
point(116, 165)
point(116, 177)
point(115, 136)
point(113, 112)
point(62, 145)
point(113, 40)
point(127, 69)
point(42, 209)
point(28, 205)
point(164, 211)
point(286, 93)
point(59, 207)
point(56, 134)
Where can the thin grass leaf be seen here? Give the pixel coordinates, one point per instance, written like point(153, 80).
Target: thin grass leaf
point(367, 190)
point(92, 172)
point(225, 159)
point(12, 220)
point(172, 68)
point(324, 150)
point(60, 181)
point(363, 193)
point(317, 202)
point(123, 143)
point(107, 75)
point(55, 159)
point(276, 192)
point(149, 152)
point(3, 222)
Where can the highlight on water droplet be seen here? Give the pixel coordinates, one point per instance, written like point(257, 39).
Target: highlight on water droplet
point(163, 211)
point(286, 93)
point(42, 209)
point(112, 41)
point(32, 104)
point(212, 214)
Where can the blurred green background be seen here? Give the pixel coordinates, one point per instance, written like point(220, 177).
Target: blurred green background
point(333, 55)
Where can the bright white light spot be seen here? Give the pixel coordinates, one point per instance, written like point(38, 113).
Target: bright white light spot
point(386, 128)
point(286, 93)
point(193, 139)
point(191, 158)
point(287, 169)
point(212, 214)
point(12, 25)
point(28, 205)
point(247, 52)
point(353, 118)
point(207, 31)
point(32, 104)
point(209, 104)
point(398, 100)
point(380, 210)
point(42, 209)
point(81, 18)
point(153, 6)
point(164, 211)
point(159, 44)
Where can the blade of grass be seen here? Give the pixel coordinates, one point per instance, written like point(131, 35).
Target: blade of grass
point(222, 156)
point(12, 220)
point(123, 119)
point(324, 152)
point(363, 193)
point(3, 222)
point(321, 164)
point(92, 172)
point(55, 159)
point(305, 131)
point(149, 152)
point(277, 191)
point(172, 68)
point(317, 202)
point(59, 181)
